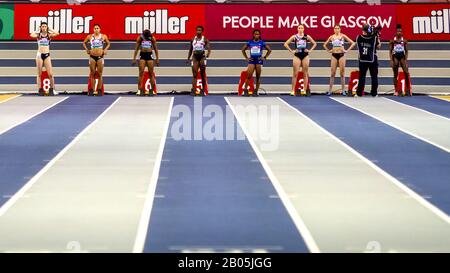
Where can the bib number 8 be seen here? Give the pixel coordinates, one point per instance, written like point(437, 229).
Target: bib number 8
point(365, 51)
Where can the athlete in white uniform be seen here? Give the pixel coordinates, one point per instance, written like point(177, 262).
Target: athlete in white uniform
point(43, 59)
point(99, 45)
point(199, 44)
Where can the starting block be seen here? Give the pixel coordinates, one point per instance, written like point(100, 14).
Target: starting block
point(353, 84)
point(401, 81)
point(146, 85)
point(102, 89)
point(199, 86)
point(299, 86)
point(44, 89)
point(251, 84)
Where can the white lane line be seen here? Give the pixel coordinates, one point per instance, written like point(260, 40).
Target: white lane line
point(389, 177)
point(395, 126)
point(298, 221)
point(35, 178)
point(27, 119)
point(418, 109)
point(141, 235)
point(11, 98)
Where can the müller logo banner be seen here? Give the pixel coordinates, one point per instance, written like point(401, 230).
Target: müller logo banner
point(426, 22)
point(120, 22)
point(232, 22)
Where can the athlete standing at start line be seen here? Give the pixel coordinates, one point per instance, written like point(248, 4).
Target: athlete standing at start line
point(43, 59)
point(99, 46)
point(146, 44)
point(256, 60)
point(199, 44)
point(301, 57)
point(398, 47)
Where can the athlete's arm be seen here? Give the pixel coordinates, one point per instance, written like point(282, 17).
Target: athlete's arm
point(34, 35)
point(391, 48)
point(406, 50)
point(191, 49)
point(288, 42)
point(136, 50)
point(325, 45)
point(244, 52)
point(313, 42)
point(155, 46)
point(268, 51)
point(86, 40)
point(108, 44)
point(378, 43)
point(350, 41)
point(208, 46)
point(52, 33)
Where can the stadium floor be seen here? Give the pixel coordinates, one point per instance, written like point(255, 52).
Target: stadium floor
point(224, 174)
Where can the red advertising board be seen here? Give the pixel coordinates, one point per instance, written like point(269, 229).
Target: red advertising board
point(119, 22)
point(279, 22)
point(233, 22)
point(425, 22)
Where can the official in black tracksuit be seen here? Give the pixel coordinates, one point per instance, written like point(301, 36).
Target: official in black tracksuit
point(368, 43)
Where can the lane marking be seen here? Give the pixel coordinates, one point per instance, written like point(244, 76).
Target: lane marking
point(144, 221)
point(36, 178)
point(394, 126)
point(418, 109)
point(8, 97)
point(29, 118)
point(389, 177)
point(298, 221)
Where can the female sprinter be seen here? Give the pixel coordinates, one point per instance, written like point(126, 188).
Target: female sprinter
point(399, 57)
point(99, 44)
point(197, 49)
point(338, 56)
point(301, 58)
point(146, 43)
point(255, 61)
point(43, 59)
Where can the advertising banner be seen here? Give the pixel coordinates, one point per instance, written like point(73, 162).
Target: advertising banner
point(279, 22)
point(6, 22)
point(226, 21)
point(118, 21)
point(425, 22)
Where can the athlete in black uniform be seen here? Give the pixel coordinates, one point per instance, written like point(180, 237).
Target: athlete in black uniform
point(146, 44)
point(399, 57)
point(301, 57)
point(199, 44)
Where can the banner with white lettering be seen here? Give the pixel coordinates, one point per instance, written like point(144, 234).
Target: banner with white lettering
point(118, 21)
point(232, 21)
point(279, 22)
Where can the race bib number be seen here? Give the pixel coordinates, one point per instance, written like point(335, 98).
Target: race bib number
point(255, 50)
point(301, 44)
point(146, 44)
point(399, 48)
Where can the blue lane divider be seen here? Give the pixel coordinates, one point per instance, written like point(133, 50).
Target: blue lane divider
point(215, 195)
point(27, 148)
point(422, 167)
